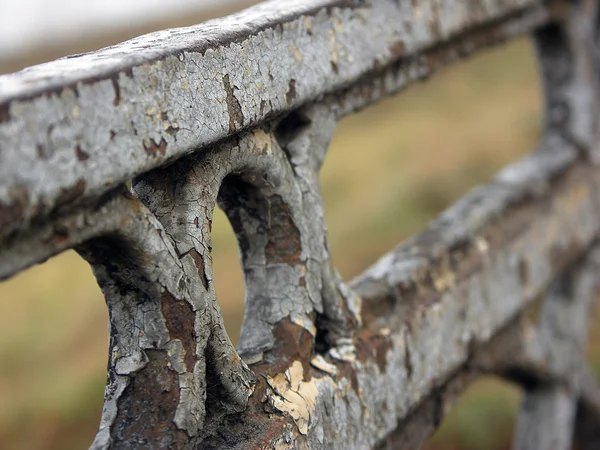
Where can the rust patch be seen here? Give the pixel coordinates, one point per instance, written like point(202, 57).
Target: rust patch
point(4, 112)
point(199, 263)
point(81, 155)
point(435, 28)
point(292, 343)
point(249, 430)
point(381, 351)
point(291, 93)
point(115, 83)
point(262, 108)
point(383, 306)
point(372, 346)
point(69, 195)
point(233, 106)
point(408, 364)
point(12, 212)
point(180, 320)
point(283, 237)
point(60, 236)
point(345, 370)
point(398, 49)
point(152, 148)
point(152, 394)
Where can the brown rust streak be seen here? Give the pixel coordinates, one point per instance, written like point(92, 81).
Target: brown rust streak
point(59, 237)
point(152, 393)
point(115, 82)
point(80, 154)
point(283, 237)
point(236, 117)
point(180, 320)
point(292, 343)
point(398, 49)
point(71, 194)
point(152, 148)
point(290, 96)
point(199, 263)
point(345, 370)
point(372, 346)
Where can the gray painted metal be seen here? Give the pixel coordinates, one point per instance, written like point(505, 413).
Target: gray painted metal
point(73, 128)
point(123, 154)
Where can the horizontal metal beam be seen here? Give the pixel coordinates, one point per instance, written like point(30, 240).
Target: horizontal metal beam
point(74, 128)
point(435, 299)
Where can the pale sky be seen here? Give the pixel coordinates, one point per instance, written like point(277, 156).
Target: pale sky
point(29, 23)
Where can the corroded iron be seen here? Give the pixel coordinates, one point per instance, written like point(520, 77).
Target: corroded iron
point(124, 153)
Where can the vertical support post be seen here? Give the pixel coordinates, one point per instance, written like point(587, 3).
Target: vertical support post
point(568, 59)
point(169, 352)
point(547, 416)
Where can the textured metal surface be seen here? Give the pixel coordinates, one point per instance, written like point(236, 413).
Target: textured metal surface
point(123, 154)
point(72, 128)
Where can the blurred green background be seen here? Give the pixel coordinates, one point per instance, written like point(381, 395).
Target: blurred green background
point(389, 171)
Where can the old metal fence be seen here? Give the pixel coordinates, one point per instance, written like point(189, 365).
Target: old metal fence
point(123, 153)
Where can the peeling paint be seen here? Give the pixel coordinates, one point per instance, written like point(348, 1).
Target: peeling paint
point(321, 363)
point(294, 396)
point(339, 364)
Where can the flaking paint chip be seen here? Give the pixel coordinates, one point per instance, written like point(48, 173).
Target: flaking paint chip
point(322, 364)
point(294, 396)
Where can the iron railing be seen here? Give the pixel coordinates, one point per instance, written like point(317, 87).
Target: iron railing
point(123, 153)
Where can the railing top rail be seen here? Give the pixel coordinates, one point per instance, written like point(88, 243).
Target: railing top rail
point(74, 128)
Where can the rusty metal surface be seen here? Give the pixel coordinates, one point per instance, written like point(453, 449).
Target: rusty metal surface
point(123, 154)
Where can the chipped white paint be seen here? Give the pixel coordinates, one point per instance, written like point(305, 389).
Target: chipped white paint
point(322, 364)
point(294, 396)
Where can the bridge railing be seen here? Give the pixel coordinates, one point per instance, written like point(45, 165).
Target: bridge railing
point(122, 155)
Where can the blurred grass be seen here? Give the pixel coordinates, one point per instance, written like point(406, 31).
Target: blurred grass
point(389, 171)
point(483, 418)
